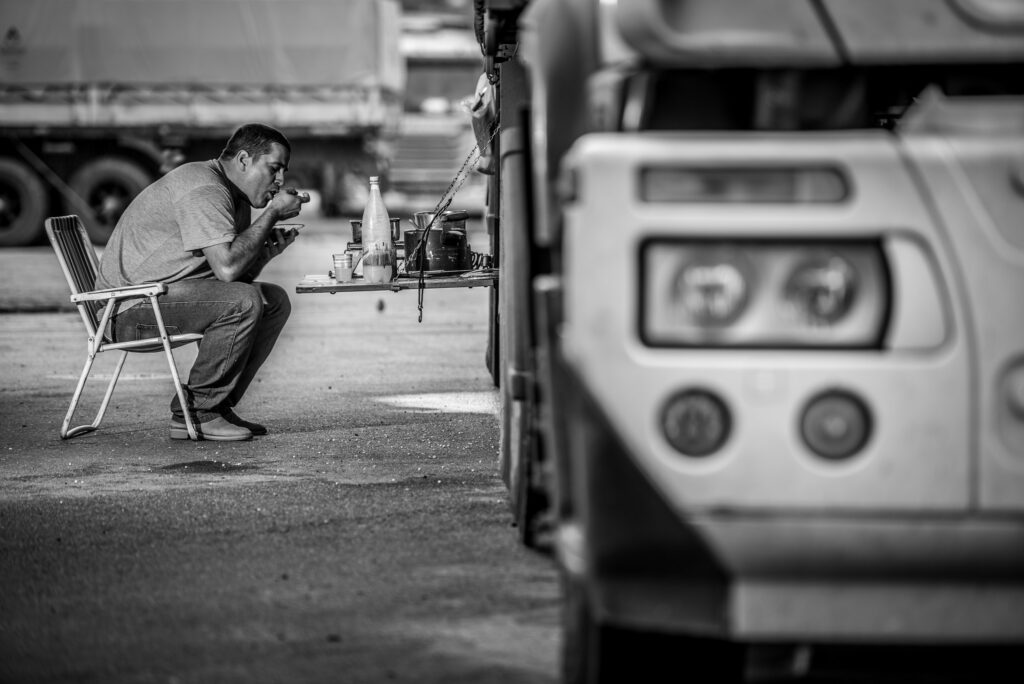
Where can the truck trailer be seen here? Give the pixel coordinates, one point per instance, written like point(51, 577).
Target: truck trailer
point(100, 97)
point(757, 332)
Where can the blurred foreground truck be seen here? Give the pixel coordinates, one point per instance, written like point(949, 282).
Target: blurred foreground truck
point(100, 97)
point(759, 330)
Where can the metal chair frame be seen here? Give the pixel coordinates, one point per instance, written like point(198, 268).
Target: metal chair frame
point(80, 264)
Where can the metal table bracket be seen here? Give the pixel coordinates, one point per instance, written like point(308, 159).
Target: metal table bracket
point(482, 278)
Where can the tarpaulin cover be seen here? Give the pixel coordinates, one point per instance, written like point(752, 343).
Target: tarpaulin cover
point(204, 42)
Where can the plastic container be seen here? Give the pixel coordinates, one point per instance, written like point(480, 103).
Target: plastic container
point(343, 267)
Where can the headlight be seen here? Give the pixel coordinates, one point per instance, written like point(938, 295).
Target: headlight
point(821, 290)
point(754, 293)
point(712, 288)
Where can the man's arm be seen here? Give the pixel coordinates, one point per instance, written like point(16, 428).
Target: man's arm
point(276, 242)
point(251, 248)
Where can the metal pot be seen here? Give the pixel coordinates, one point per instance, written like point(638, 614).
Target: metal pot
point(446, 247)
point(442, 252)
point(357, 230)
point(453, 225)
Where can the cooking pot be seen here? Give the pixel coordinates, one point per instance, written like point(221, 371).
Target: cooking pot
point(446, 247)
point(453, 224)
point(437, 256)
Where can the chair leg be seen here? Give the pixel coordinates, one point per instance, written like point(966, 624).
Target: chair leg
point(189, 423)
point(65, 432)
point(110, 388)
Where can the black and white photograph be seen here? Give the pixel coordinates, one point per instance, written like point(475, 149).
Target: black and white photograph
point(511, 341)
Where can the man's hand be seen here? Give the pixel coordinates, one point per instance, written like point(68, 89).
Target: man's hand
point(277, 241)
point(287, 203)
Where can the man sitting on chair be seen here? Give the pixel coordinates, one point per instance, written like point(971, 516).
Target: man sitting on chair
point(192, 230)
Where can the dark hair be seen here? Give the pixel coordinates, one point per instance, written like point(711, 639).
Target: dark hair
point(255, 139)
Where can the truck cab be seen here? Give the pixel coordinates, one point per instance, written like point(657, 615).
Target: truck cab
point(760, 355)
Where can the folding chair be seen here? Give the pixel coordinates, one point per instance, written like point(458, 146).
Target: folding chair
point(79, 262)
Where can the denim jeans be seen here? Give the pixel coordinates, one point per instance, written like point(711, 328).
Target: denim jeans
point(240, 323)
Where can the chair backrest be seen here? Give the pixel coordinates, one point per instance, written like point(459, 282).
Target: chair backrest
point(78, 261)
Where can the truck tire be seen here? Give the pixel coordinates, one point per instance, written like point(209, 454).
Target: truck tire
point(105, 186)
point(23, 204)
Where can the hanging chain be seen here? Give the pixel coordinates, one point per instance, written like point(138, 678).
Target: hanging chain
point(461, 176)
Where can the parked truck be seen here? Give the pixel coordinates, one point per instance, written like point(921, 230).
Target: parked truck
point(758, 331)
point(99, 97)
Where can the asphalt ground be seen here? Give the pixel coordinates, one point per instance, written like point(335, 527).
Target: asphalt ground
point(366, 538)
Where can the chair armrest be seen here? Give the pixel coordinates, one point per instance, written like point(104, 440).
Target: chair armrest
point(126, 292)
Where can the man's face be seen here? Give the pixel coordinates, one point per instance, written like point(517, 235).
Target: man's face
point(262, 176)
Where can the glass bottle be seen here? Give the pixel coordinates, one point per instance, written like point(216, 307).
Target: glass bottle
point(378, 247)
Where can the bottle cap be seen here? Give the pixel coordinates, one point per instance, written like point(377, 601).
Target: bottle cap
point(374, 179)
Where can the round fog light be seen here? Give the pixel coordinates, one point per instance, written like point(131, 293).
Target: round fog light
point(696, 422)
point(835, 425)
